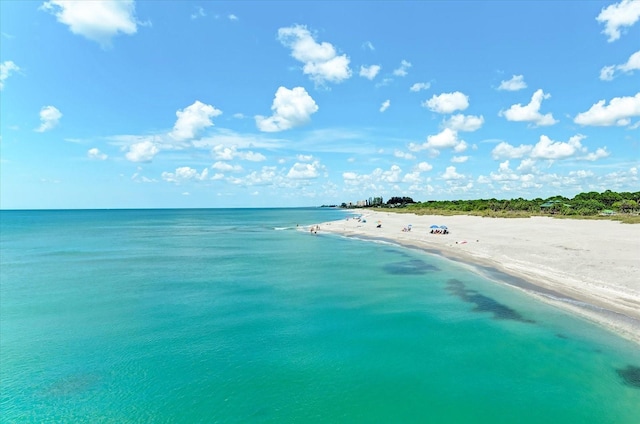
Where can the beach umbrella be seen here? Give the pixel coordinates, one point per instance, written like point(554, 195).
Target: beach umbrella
point(434, 226)
point(444, 227)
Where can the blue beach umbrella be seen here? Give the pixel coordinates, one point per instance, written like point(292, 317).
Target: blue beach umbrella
point(444, 227)
point(434, 226)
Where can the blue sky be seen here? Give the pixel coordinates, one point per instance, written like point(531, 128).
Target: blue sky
point(257, 104)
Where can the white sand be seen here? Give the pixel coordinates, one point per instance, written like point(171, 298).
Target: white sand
point(594, 262)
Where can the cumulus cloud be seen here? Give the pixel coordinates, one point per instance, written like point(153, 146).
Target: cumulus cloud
point(446, 139)
point(49, 118)
point(6, 69)
point(598, 154)
point(403, 155)
point(96, 154)
point(291, 108)
point(221, 152)
point(143, 151)
point(530, 112)
point(192, 119)
point(419, 86)
point(451, 174)
point(369, 72)
point(549, 149)
point(97, 21)
point(226, 167)
point(459, 159)
point(462, 122)
point(385, 105)
point(402, 70)
point(183, 174)
point(303, 171)
point(617, 112)
point(633, 64)
point(447, 102)
point(424, 167)
point(617, 16)
point(505, 150)
point(321, 61)
point(514, 84)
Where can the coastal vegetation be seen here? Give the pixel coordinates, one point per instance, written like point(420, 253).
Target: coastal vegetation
point(622, 206)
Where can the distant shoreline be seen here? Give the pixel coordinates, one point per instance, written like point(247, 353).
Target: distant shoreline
point(589, 268)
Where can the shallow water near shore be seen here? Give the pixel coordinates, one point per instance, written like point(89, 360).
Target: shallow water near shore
point(241, 315)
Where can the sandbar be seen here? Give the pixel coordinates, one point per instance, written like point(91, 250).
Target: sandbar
point(588, 267)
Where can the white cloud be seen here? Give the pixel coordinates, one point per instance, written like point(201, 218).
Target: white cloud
point(419, 86)
point(390, 176)
point(618, 112)
point(451, 174)
point(96, 154)
point(514, 84)
point(447, 102)
point(402, 70)
point(530, 112)
point(303, 171)
point(526, 165)
point(321, 62)
point(6, 68)
point(633, 64)
point(368, 45)
point(192, 119)
point(183, 174)
point(226, 167)
point(607, 73)
point(505, 150)
point(462, 122)
point(253, 156)
point(232, 17)
point(459, 159)
point(291, 108)
point(369, 72)
point(221, 152)
point(385, 105)
point(424, 167)
point(617, 16)
point(549, 149)
point(267, 175)
point(305, 158)
point(598, 154)
point(412, 177)
point(143, 151)
point(403, 155)
point(49, 118)
point(447, 138)
point(95, 20)
point(198, 13)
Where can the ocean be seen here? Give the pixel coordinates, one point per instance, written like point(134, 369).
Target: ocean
point(243, 315)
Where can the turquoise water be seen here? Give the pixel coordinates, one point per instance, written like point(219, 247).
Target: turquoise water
point(233, 315)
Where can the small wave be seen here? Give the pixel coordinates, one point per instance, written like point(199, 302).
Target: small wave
point(282, 228)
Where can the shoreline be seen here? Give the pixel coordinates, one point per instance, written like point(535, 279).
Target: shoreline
point(588, 268)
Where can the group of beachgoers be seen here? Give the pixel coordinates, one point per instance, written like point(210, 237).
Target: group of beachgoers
point(439, 231)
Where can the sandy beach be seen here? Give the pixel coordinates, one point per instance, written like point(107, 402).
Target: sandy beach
point(588, 267)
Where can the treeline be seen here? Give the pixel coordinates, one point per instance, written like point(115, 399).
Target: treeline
point(585, 204)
